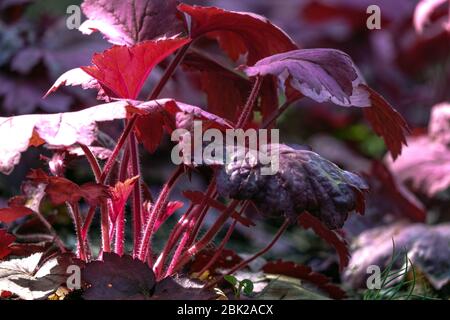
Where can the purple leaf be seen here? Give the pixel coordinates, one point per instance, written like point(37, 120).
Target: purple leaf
point(129, 22)
point(304, 182)
point(330, 75)
point(321, 74)
point(118, 277)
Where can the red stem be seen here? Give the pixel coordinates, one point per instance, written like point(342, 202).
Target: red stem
point(244, 263)
point(174, 236)
point(137, 213)
point(93, 162)
point(156, 212)
point(247, 111)
point(169, 72)
point(208, 237)
point(219, 250)
point(120, 143)
point(77, 221)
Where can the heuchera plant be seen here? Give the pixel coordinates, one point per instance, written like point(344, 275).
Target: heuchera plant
point(308, 190)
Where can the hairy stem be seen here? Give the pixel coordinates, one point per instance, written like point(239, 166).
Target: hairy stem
point(120, 143)
point(209, 236)
point(248, 108)
point(137, 213)
point(156, 212)
point(74, 211)
point(104, 219)
point(174, 236)
point(244, 263)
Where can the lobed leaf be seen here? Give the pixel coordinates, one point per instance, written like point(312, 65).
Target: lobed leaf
point(332, 237)
point(238, 33)
point(330, 75)
point(130, 22)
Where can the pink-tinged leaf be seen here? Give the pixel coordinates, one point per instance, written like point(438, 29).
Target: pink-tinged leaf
point(130, 22)
point(305, 273)
point(406, 202)
point(238, 33)
point(122, 70)
point(197, 197)
point(439, 126)
point(11, 214)
point(6, 240)
point(386, 122)
point(333, 238)
point(74, 77)
point(62, 129)
point(171, 207)
point(424, 165)
point(68, 129)
point(424, 11)
point(427, 247)
point(119, 196)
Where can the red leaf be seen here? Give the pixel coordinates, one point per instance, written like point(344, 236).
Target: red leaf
point(119, 196)
point(386, 122)
point(305, 273)
point(238, 33)
point(61, 190)
point(308, 221)
point(226, 89)
point(122, 70)
point(5, 240)
point(149, 130)
point(13, 213)
point(196, 197)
